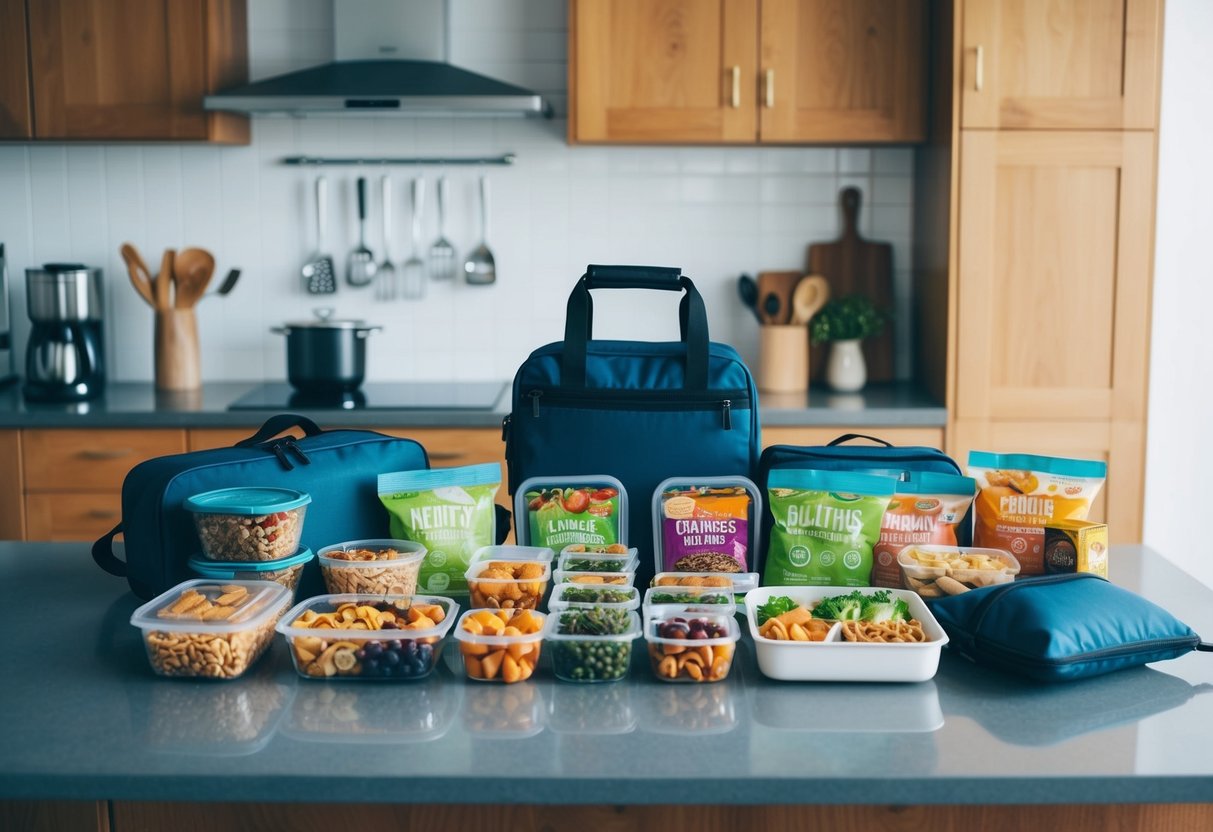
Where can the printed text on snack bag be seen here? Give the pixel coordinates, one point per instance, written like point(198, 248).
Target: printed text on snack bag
point(705, 532)
point(434, 517)
point(1021, 508)
point(828, 518)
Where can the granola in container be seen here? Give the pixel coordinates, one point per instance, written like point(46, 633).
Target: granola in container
point(384, 566)
point(249, 524)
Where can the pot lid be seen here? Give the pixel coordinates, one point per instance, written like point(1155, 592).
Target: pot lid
point(324, 320)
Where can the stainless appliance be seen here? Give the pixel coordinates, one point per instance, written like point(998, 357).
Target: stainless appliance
point(65, 358)
point(411, 395)
point(326, 356)
point(6, 325)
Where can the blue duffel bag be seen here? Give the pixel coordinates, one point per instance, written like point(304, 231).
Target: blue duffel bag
point(337, 468)
point(639, 411)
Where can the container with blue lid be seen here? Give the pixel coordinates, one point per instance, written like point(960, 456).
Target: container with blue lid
point(249, 524)
point(286, 571)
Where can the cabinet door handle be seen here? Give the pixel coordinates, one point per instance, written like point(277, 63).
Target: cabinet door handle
point(443, 456)
point(769, 88)
point(106, 453)
point(102, 513)
point(979, 74)
point(735, 96)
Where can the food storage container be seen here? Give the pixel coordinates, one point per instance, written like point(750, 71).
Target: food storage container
point(740, 581)
point(403, 639)
point(286, 571)
point(580, 596)
point(244, 524)
point(500, 645)
point(503, 711)
point(580, 657)
point(691, 647)
point(689, 538)
point(936, 571)
point(605, 503)
point(209, 629)
point(574, 559)
point(374, 714)
point(379, 566)
point(688, 599)
point(837, 660)
point(509, 577)
point(595, 578)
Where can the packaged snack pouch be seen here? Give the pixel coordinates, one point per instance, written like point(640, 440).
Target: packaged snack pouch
point(1022, 493)
point(925, 509)
point(826, 524)
point(559, 511)
point(704, 524)
point(447, 510)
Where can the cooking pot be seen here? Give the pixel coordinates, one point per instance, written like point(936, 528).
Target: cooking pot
point(325, 355)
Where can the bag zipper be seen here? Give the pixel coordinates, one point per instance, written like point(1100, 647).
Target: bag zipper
point(793, 453)
point(673, 400)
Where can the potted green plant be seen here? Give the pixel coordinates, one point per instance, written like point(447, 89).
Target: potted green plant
point(846, 323)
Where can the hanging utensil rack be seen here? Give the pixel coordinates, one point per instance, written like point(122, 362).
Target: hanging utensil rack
point(503, 159)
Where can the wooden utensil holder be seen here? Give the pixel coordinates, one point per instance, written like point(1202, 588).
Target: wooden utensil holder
point(783, 363)
point(178, 365)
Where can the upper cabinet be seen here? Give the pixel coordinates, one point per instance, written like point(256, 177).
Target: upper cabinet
point(1043, 65)
point(16, 120)
point(747, 71)
point(128, 69)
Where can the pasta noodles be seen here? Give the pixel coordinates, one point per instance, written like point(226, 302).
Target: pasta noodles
point(884, 632)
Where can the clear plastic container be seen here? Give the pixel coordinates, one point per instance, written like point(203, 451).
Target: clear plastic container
point(960, 568)
point(698, 555)
point(249, 524)
point(688, 658)
point(688, 599)
point(595, 578)
point(741, 582)
point(490, 653)
point(400, 651)
point(584, 596)
point(509, 577)
point(590, 658)
point(208, 629)
point(287, 571)
point(380, 566)
point(582, 561)
point(592, 485)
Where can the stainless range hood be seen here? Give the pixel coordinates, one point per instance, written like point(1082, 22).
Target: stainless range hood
point(391, 60)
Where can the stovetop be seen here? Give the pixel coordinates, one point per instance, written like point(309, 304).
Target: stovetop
point(421, 395)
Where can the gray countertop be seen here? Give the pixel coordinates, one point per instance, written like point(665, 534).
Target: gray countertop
point(84, 717)
point(139, 405)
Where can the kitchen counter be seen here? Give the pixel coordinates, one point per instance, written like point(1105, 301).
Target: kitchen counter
point(85, 718)
point(139, 405)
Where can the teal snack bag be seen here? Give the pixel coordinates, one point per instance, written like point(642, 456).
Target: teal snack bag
point(826, 523)
point(560, 511)
point(447, 510)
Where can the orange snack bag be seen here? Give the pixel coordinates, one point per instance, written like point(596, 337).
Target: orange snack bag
point(1021, 493)
point(926, 509)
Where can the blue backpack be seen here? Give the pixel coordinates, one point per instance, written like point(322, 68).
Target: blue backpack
point(639, 411)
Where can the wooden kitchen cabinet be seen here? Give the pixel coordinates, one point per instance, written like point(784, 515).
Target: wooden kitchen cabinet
point(1081, 64)
point(125, 69)
point(747, 71)
point(16, 118)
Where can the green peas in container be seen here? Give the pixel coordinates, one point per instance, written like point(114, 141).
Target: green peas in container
point(591, 645)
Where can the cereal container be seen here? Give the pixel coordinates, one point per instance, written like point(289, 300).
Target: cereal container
point(210, 629)
point(249, 524)
point(286, 571)
point(383, 566)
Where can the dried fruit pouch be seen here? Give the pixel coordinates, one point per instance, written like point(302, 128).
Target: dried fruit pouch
point(826, 524)
point(704, 526)
point(1021, 493)
point(561, 512)
point(925, 509)
point(447, 510)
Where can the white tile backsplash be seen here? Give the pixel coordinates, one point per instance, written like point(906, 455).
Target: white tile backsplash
point(716, 212)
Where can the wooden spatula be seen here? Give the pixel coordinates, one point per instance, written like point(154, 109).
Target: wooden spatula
point(140, 275)
point(192, 272)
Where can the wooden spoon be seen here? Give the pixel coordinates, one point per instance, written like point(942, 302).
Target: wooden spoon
point(141, 276)
point(810, 294)
point(192, 272)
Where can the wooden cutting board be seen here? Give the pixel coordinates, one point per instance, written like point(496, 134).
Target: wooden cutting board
point(855, 266)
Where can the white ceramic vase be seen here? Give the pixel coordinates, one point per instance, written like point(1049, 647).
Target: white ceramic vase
point(846, 371)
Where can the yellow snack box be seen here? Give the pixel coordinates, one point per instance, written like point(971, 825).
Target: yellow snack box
point(1076, 546)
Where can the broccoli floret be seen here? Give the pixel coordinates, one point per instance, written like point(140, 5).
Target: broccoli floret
point(840, 607)
point(878, 606)
point(893, 610)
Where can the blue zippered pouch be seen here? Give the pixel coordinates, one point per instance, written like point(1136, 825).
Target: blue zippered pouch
point(1059, 628)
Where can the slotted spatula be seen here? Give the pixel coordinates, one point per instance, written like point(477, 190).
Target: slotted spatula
point(319, 275)
point(413, 277)
point(442, 253)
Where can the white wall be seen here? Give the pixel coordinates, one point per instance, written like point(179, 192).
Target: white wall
point(1179, 451)
point(714, 211)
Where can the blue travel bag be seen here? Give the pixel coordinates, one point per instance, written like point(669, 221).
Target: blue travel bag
point(639, 411)
point(338, 468)
point(1057, 628)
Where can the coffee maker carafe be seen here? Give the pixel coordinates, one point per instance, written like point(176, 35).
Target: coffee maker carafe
point(65, 358)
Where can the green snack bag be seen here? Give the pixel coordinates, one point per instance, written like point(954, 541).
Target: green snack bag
point(450, 511)
point(826, 523)
point(561, 511)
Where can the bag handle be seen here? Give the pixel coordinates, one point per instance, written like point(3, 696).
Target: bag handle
point(692, 318)
point(847, 437)
point(277, 424)
point(103, 553)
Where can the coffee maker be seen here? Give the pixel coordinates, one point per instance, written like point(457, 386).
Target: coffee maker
point(65, 358)
point(6, 330)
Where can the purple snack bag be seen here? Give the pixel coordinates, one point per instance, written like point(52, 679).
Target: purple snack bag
point(705, 529)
